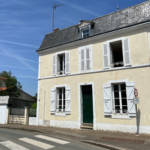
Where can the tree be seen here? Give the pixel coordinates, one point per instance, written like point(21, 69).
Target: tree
point(35, 96)
point(12, 85)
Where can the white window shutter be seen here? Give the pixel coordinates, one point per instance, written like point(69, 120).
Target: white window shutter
point(126, 52)
point(54, 65)
point(67, 62)
point(53, 101)
point(68, 101)
point(88, 61)
point(107, 99)
point(106, 57)
point(82, 59)
point(130, 98)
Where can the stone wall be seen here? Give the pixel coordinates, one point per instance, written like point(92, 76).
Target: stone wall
point(15, 119)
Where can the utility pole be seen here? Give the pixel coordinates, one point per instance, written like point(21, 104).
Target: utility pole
point(54, 8)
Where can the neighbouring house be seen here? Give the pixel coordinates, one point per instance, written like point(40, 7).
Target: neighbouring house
point(88, 73)
point(21, 101)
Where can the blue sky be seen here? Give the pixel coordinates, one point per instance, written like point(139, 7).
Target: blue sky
point(24, 23)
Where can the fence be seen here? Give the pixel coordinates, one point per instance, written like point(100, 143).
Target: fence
point(17, 111)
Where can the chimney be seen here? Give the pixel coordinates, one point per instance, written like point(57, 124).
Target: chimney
point(56, 29)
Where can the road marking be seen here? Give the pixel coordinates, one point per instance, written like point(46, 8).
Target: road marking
point(52, 139)
point(13, 146)
point(36, 143)
point(72, 134)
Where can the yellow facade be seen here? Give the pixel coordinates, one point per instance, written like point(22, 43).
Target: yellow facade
point(139, 51)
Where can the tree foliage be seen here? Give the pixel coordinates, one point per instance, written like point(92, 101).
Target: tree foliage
point(13, 86)
point(34, 105)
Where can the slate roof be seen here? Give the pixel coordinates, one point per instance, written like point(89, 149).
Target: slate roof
point(118, 20)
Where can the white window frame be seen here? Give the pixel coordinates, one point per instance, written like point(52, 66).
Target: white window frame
point(111, 41)
point(118, 115)
point(120, 98)
point(91, 58)
point(58, 113)
point(55, 65)
point(64, 65)
point(57, 99)
point(85, 28)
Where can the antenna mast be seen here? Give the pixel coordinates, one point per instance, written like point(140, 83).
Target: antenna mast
point(54, 8)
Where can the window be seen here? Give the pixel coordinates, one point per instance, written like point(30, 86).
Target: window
point(61, 63)
point(120, 98)
point(85, 33)
point(116, 53)
point(60, 100)
point(85, 58)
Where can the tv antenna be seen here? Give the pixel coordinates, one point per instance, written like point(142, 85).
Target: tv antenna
point(54, 8)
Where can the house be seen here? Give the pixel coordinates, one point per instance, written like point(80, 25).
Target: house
point(88, 73)
point(21, 101)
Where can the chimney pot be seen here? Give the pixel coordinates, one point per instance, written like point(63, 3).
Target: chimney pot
point(56, 29)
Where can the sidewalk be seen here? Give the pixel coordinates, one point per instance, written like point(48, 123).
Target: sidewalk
point(110, 140)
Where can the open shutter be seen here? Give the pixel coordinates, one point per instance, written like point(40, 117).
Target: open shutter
point(68, 101)
point(67, 63)
point(107, 99)
point(130, 98)
point(106, 58)
point(126, 52)
point(54, 65)
point(53, 101)
point(88, 61)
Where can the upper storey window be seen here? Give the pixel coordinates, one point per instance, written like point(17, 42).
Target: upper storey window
point(61, 63)
point(85, 33)
point(116, 53)
point(85, 28)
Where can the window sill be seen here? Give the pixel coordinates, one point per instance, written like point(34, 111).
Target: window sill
point(62, 114)
point(120, 116)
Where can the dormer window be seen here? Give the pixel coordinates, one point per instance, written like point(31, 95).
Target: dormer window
point(85, 33)
point(85, 28)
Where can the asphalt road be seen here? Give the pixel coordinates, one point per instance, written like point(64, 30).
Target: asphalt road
point(21, 140)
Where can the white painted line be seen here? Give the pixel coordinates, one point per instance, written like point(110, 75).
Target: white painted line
point(13, 146)
point(52, 139)
point(36, 143)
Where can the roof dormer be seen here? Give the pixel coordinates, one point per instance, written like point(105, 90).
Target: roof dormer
point(85, 27)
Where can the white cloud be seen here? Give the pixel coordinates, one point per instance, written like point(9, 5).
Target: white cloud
point(22, 44)
point(19, 58)
point(86, 10)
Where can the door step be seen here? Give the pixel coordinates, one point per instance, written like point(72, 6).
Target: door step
point(87, 127)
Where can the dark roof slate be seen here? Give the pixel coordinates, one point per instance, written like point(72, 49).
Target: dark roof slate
point(120, 19)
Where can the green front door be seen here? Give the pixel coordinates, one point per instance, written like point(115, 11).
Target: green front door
point(87, 104)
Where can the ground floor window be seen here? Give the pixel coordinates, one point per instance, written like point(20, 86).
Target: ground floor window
point(119, 98)
point(60, 99)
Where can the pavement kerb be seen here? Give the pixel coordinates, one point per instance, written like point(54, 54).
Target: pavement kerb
point(85, 142)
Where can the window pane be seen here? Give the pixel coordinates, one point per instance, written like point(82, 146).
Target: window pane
point(124, 101)
point(123, 94)
point(60, 104)
point(116, 94)
point(64, 104)
point(117, 109)
point(123, 87)
point(116, 88)
point(60, 96)
point(117, 102)
point(124, 109)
